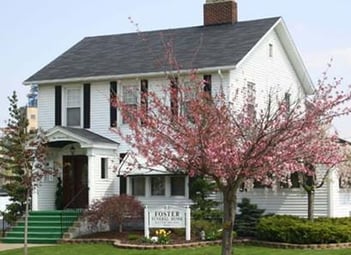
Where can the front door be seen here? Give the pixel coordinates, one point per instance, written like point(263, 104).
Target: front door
point(75, 181)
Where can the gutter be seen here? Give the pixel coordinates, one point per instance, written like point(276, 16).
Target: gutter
point(127, 76)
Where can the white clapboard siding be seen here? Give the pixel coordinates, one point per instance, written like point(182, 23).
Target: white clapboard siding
point(46, 106)
point(267, 72)
point(100, 109)
point(47, 194)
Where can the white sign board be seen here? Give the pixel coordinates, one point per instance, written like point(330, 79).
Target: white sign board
point(171, 217)
point(167, 217)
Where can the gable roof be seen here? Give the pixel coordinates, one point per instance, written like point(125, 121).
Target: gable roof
point(144, 52)
point(86, 138)
point(133, 164)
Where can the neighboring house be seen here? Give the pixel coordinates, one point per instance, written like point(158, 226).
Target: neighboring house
point(74, 107)
point(4, 198)
point(32, 108)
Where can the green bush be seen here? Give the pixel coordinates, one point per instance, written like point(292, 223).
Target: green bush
point(246, 221)
point(291, 229)
point(213, 231)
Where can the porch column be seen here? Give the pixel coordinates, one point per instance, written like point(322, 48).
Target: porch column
point(35, 199)
point(91, 179)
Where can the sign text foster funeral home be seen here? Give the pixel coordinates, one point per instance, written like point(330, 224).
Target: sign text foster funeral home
point(167, 217)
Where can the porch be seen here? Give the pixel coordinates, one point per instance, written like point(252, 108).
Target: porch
point(84, 163)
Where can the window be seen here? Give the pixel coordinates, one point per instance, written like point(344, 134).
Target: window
point(270, 50)
point(294, 181)
point(177, 186)
point(73, 107)
point(104, 168)
point(130, 99)
point(287, 100)
point(138, 186)
point(157, 185)
point(33, 116)
point(344, 181)
point(189, 94)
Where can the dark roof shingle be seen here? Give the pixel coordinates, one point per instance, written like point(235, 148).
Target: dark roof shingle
point(92, 137)
point(145, 52)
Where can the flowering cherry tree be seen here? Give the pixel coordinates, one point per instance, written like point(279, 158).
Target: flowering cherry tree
point(190, 131)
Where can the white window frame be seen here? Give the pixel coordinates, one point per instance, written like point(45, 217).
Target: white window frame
point(104, 174)
point(65, 104)
point(136, 88)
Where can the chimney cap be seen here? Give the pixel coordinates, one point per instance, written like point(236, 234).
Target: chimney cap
point(218, 1)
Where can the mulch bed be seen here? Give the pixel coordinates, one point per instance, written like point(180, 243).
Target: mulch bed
point(177, 241)
point(135, 237)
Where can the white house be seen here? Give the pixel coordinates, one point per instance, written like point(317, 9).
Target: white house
point(74, 104)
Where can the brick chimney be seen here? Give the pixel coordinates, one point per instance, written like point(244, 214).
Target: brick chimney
point(220, 12)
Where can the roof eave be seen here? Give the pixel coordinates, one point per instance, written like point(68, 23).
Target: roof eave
point(127, 76)
point(294, 55)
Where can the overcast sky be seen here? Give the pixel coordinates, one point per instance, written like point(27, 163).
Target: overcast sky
point(33, 33)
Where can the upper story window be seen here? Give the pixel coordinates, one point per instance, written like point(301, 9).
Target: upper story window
point(287, 99)
point(270, 50)
point(130, 99)
point(73, 107)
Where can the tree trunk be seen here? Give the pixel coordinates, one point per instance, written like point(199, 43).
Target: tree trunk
point(25, 243)
point(310, 204)
point(229, 207)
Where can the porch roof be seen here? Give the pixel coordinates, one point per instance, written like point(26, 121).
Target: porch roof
point(84, 137)
point(133, 164)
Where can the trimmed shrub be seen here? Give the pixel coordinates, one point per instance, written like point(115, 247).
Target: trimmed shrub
point(114, 211)
point(246, 221)
point(291, 229)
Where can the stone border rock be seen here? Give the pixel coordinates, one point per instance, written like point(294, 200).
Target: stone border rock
point(119, 244)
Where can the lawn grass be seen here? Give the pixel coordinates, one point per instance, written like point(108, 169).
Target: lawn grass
point(105, 249)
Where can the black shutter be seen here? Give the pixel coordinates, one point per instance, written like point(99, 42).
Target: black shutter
point(122, 179)
point(86, 105)
point(58, 105)
point(144, 97)
point(113, 109)
point(208, 84)
point(174, 97)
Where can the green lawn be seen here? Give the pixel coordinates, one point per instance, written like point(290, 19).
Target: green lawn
point(104, 249)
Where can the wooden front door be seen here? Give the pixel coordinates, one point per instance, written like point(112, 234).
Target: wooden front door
point(75, 181)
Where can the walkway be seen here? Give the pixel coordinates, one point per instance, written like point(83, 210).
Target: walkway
point(9, 246)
